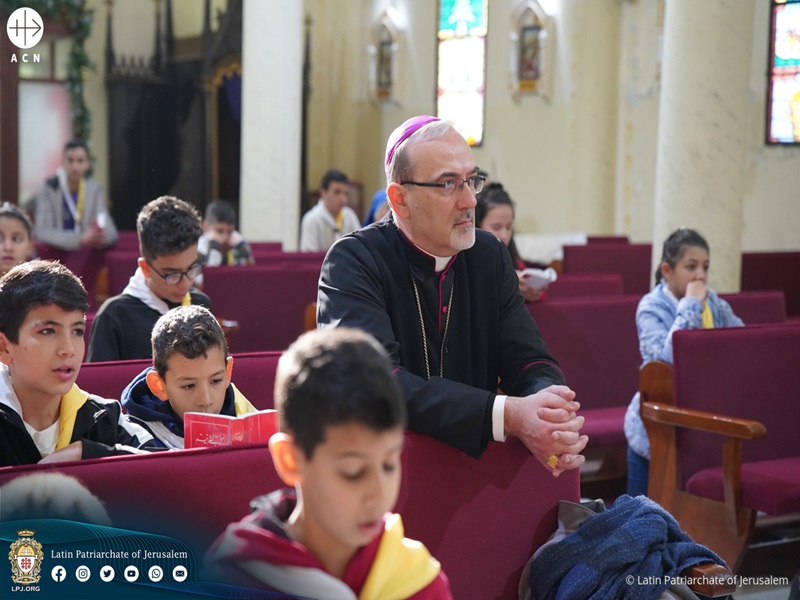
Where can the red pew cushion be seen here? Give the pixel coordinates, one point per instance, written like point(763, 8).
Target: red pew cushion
point(771, 486)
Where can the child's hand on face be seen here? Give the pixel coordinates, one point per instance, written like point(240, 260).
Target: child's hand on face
point(697, 289)
point(72, 452)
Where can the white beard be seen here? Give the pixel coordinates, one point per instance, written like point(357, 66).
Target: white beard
point(462, 239)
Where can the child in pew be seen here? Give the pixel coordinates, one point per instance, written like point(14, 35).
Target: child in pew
point(16, 237)
point(494, 212)
point(168, 230)
point(221, 244)
point(44, 416)
point(341, 417)
point(681, 299)
point(191, 372)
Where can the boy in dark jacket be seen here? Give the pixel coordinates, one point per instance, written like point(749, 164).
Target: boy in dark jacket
point(191, 372)
point(44, 416)
point(168, 229)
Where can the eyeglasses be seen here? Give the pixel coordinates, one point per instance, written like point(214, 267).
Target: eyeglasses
point(175, 278)
point(456, 184)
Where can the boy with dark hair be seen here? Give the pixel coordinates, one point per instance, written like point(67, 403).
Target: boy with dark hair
point(221, 244)
point(331, 218)
point(70, 208)
point(42, 412)
point(341, 417)
point(191, 372)
point(16, 237)
point(168, 230)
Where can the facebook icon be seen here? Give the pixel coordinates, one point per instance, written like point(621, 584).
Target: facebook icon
point(58, 573)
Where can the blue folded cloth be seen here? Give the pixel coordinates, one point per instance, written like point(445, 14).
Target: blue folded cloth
point(631, 550)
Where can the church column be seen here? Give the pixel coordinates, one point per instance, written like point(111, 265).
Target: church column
point(591, 40)
point(272, 64)
point(703, 129)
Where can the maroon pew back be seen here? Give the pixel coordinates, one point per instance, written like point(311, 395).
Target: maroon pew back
point(758, 307)
point(121, 266)
point(482, 519)
point(585, 284)
point(632, 261)
point(774, 271)
point(85, 262)
point(607, 239)
point(268, 302)
point(272, 258)
point(749, 373)
point(189, 494)
point(596, 343)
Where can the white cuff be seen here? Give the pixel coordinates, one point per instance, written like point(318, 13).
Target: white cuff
point(498, 419)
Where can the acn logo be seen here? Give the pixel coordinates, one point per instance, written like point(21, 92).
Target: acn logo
point(25, 28)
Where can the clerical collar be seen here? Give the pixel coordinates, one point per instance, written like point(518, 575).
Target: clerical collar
point(439, 263)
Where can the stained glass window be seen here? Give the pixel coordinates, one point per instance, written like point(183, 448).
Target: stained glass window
point(461, 80)
point(783, 105)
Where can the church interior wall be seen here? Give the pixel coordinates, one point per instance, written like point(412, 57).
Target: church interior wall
point(584, 160)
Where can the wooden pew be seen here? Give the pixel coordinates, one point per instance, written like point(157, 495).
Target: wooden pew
point(482, 519)
point(127, 240)
point(739, 384)
point(767, 306)
point(121, 265)
point(268, 302)
point(597, 346)
point(774, 271)
point(607, 239)
point(585, 285)
point(86, 263)
point(632, 261)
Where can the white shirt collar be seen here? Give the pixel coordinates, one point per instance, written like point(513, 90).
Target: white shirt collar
point(441, 262)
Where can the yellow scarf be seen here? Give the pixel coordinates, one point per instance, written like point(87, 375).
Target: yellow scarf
point(79, 201)
point(401, 568)
point(70, 403)
point(240, 403)
point(339, 220)
point(187, 300)
point(708, 318)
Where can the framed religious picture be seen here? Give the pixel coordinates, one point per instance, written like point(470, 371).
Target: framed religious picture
point(383, 51)
point(529, 56)
point(532, 37)
point(384, 64)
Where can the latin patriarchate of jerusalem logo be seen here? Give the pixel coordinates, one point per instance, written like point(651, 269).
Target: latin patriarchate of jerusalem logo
point(26, 558)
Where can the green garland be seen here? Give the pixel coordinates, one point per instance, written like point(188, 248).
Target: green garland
point(79, 19)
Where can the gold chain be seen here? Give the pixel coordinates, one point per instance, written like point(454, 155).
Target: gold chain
point(422, 325)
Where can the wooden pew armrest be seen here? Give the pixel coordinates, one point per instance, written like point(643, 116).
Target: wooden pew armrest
point(703, 421)
point(710, 579)
point(655, 382)
point(661, 421)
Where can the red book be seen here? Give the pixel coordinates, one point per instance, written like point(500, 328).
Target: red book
point(204, 429)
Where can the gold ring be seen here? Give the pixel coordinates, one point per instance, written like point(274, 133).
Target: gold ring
point(552, 461)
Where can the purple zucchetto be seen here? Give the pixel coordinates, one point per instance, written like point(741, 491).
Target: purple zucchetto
point(406, 130)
